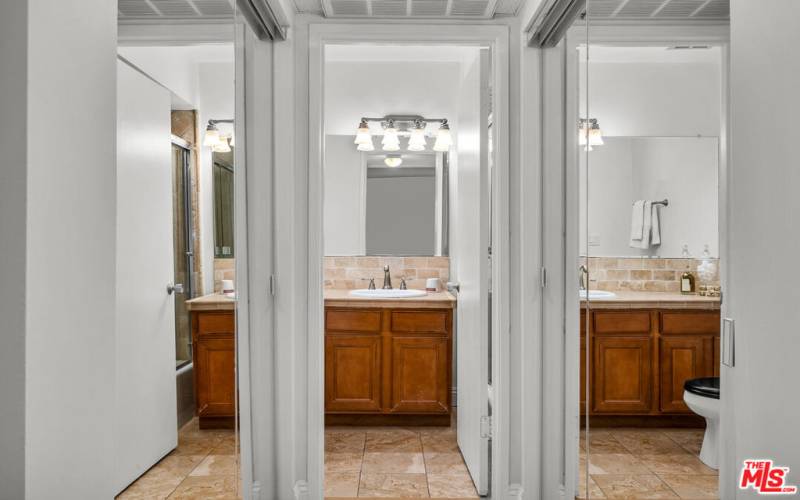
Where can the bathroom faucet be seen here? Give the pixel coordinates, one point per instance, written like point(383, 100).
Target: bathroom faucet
point(584, 278)
point(387, 280)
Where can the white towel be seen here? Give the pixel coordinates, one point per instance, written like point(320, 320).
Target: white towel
point(655, 231)
point(645, 225)
point(637, 222)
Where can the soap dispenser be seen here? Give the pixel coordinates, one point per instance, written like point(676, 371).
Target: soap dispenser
point(687, 282)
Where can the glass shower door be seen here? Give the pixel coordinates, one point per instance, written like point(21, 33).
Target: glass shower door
point(183, 249)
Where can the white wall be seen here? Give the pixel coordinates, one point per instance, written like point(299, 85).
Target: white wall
point(58, 247)
point(215, 100)
point(760, 410)
point(344, 230)
point(624, 169)
point(654, 99)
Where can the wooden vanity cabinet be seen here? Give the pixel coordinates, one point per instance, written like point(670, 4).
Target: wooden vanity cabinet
point(640, 358)
point(385, 361)
point(213, 347)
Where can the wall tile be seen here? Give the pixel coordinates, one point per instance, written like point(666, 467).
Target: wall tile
point(647, 274)
point(350, 272)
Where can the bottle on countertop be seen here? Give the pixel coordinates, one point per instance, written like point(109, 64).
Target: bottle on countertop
point(687, 282)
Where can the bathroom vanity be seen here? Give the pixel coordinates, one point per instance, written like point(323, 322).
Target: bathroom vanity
point(388, 361)
point(643, 347)
point(214, 359)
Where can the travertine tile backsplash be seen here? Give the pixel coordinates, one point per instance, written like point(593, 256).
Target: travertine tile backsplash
point(224, 269)
point(348, 273)
point(645, 274)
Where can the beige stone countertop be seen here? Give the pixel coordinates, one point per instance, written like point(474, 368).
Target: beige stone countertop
point(654, 300)
point(213, 302)
point(434, 300)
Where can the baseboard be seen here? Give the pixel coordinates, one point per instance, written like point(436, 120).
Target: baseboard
point(301, 490)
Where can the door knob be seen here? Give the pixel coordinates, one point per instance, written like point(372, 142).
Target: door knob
point(453, 286)
point(176, 288)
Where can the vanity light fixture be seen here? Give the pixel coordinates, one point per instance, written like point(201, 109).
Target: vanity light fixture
point(443, 138)
point(222, 146)
point(417, 140)
point(214, 139)
point(396, 126)
point(393, 160)
point(391, 141)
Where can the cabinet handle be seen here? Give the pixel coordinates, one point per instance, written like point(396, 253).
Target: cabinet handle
point(728, 340)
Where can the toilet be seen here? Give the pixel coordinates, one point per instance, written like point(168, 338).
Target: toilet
point(701, 395)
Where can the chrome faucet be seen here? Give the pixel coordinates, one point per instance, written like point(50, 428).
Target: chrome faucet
point(387, 280)
point(584, 278)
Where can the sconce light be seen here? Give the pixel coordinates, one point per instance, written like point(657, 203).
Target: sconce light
point(211, 138)
point(363, 136)
point(222, 146)
point(443, 138)
point(417, 140)
point(391, 141)
point(590, 128)
point(393, 160)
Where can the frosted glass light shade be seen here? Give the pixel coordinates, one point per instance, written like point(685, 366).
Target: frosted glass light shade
point(390, 142)
point(443, 140)
point(417, 140)
point(211, 137)
point(367, 146)
point(221, 147)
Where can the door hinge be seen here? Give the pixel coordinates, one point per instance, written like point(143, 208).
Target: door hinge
point(272, 285)
point(486, 427)
point(543, 277)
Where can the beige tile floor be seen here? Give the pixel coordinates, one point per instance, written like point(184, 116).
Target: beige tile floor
point(203, 466)
point(646, 463)
point(395, 462)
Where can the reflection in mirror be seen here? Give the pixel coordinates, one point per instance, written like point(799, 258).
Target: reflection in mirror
point(223, 204)
point(627, 170)
point(384, 204)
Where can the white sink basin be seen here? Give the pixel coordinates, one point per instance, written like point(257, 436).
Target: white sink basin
point(598, 294)
point(388, 294)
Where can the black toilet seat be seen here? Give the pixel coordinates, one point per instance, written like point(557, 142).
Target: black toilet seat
point(707, 387)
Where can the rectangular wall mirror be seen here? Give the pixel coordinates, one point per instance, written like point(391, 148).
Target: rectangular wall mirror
point(223, 204)
point(379, 204)
point(681, 171)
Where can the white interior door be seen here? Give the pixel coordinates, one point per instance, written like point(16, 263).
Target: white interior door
point(760, 410)
point(146, 413)
point(471, 214)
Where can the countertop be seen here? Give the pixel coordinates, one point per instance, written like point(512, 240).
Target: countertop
point(434, 300)
point(213, 302)
point(654, 300)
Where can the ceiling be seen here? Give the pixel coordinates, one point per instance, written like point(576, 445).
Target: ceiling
point(164, 10)
point(660, 10)
point(654, 55)
point(131, 11)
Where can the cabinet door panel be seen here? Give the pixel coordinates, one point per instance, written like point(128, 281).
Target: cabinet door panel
point(420, 375)
point(682, 358)
point(622, 374)
point(216, 377)
point(352, 373)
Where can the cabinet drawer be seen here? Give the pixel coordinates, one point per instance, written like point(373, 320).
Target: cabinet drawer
point(353, 321)
point(211, 323)
point(621, 322)
point(690, 322)
point(420, 322)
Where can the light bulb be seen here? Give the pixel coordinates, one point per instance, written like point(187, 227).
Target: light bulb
point(443, 138)
point(417, 141)
point(211, 138)
point(363, 134)
point(393, 160)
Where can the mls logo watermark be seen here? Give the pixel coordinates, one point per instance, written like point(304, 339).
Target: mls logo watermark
point(765, 478)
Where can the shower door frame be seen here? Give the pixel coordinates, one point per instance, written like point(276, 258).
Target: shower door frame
point(561, 482)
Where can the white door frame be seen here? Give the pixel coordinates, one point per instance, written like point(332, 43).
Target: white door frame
point(496, 38)
point(561, 426)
